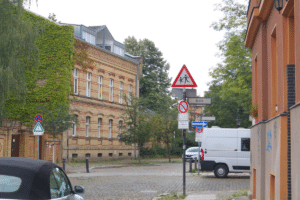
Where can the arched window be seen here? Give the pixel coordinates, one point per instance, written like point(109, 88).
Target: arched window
point(99, 127)
point(74, 127)
point(75, 81)
point(87, 124)
point(121, 93)
point(100, 87)
point(110, 128)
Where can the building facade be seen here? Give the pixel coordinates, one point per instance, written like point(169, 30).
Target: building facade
point(272, 37)
point(95, 93)
point(98, 101)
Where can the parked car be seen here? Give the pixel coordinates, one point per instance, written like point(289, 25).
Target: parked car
point(192, 153)
point(25, 178)
point(226, 150)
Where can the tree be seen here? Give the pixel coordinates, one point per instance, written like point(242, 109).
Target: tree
point(231, 88)
point(18, 51)
point(155, 82)
point(137, 124)
point(57, 120)
point(52, 17)
point(164, 126)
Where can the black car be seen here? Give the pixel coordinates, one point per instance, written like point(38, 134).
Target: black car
point(25, 178)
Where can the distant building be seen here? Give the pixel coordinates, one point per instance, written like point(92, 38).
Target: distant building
point(273, 38)
point(98, 97)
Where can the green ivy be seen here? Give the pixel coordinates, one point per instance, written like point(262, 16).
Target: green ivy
point(56, 49)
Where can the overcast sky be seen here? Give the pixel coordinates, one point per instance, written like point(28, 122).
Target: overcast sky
point(180, 29)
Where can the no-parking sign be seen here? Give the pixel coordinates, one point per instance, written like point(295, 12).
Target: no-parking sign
point(183, 107)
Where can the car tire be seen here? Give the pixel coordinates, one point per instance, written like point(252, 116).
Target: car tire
point(221, 171)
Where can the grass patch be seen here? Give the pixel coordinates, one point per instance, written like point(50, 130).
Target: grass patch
point(237, 194)
point(193, 171)
point(172, 196)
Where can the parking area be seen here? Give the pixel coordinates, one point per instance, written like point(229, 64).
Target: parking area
point(148, 181)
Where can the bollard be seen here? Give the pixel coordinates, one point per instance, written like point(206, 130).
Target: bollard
point(87, 165)
point(64, 164)
point(191, 161)
point(196, 161)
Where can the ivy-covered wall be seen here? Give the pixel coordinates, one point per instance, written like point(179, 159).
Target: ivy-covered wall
point(51, 84)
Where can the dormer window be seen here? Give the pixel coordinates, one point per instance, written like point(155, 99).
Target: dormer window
point(108, 48)
point(118, 50)
point(88, 37)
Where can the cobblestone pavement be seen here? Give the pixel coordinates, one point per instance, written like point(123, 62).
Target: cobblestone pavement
point(147, 182)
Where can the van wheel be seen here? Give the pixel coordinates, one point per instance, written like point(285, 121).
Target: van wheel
point(221, 171)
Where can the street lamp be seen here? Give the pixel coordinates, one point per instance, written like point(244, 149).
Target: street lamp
point(278, 5)
point(238, 122)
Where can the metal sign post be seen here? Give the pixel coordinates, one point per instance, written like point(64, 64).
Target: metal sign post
point(183, 80)
point(183, 148)
point(38, 130)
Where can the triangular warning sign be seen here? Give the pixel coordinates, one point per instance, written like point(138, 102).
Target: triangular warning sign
point(38, 129)
point(184, 79)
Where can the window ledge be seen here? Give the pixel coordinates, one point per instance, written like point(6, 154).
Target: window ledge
point(100, 138)
point(111, 138)
point(88, 137)
point(75, 136)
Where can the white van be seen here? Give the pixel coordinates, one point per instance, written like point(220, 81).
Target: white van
point(226, 150)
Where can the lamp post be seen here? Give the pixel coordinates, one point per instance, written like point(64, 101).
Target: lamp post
point(238, 122)
point(278, 5)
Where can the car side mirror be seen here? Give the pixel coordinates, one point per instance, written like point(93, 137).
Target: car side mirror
point(79, 189)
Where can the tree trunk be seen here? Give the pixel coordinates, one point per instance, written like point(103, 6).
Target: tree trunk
point(139, 154)
point(168, 147)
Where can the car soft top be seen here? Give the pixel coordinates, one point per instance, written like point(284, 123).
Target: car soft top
point(34, 174)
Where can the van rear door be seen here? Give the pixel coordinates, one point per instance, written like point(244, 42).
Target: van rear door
point(244, 150)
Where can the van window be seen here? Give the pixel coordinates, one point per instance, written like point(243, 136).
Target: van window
point(245, 144)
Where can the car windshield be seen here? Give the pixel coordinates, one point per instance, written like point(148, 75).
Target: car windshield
point(193, 150)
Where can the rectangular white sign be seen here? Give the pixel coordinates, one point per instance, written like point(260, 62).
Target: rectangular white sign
point(208, 118)
point(198, 137)
point(183, 116)
point(199, 101)
point(183, 124)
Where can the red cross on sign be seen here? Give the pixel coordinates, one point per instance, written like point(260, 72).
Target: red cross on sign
point(183, 107)
point(38, 118)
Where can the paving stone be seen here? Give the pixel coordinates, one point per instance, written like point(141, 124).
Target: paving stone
point(147, 182)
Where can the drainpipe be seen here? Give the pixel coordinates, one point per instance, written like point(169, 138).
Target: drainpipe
point(290, 102)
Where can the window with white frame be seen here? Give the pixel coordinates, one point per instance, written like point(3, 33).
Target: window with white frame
point(88, 84)
point(74, 127)
point(129, 94)
point(99, 127)
point(111, 90)
point(121, 93)
point(118, 50)
point(100, 87)
point(110, 128)
point(88, 37)
point(75, 81)
point(87, 124)
point(128, 129)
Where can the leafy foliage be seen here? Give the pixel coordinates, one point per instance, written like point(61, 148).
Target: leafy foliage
point(137, 124)
point(18, 52)
point(155, 82)
point(231, 88)
point(50, 84)
point(58, 119)
point(164, 125)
